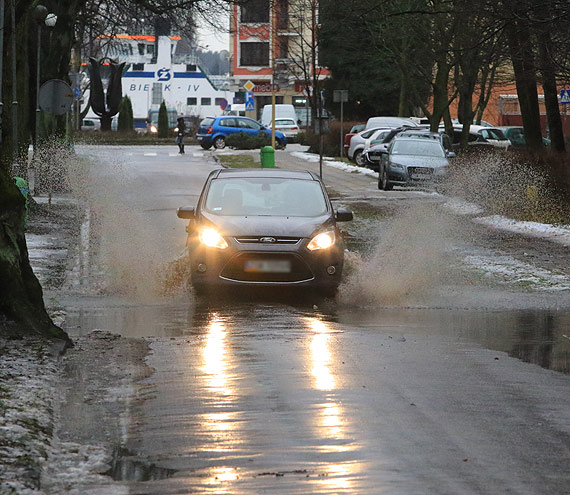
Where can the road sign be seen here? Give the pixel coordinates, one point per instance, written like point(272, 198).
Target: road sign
point(249, 101)
point(56, 97)
point(340, 95)
point(248, 86)
point(565, 96)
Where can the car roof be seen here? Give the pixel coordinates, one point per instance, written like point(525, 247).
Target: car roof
point(263, 172)
point(413, 138)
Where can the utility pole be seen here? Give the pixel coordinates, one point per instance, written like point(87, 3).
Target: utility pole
point(273, 37)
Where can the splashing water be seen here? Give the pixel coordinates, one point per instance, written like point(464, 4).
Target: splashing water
point(408, 261)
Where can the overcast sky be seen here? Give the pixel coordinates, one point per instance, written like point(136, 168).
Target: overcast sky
point(210, 39)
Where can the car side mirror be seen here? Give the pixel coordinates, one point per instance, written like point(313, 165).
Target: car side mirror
point(450, 154)
point(343, 215)
point(186, 212)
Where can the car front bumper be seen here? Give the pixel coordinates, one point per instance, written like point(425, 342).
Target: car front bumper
point(252, 265)
point(414, 175)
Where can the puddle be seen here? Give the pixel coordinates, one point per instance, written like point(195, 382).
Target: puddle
point(127, 467)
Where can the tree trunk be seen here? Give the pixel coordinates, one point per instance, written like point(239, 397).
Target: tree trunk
point(548, 72)
point(522, 57)
point(22, 309)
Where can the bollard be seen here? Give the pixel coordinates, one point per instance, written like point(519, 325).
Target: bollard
point(267, 157)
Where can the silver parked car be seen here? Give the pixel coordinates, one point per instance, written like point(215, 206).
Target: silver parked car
point(358, 143)
point(411, 160)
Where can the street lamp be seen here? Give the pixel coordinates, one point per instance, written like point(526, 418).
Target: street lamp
point(41, 16)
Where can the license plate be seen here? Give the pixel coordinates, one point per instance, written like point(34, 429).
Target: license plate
point(199, 138)
point(267, 266)
point(421, 173)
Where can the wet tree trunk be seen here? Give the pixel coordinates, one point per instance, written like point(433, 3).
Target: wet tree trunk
point(522, 57)
point(22, 309)
point(548, 72)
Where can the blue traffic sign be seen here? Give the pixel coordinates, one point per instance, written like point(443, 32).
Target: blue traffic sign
point(249, 101)
point(565, 96)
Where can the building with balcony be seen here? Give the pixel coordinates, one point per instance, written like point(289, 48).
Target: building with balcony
point(274, 44)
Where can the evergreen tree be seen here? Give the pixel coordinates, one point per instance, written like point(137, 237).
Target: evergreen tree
point(162, 121)
point(125, 122)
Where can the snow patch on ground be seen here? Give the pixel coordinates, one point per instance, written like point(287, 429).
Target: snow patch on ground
point(509, 270)
point(27, 391)
point(559, 234)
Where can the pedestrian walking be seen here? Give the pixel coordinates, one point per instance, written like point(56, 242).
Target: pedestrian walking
point(180, 135)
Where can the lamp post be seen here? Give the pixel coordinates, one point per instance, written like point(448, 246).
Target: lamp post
point(1, 61)
point(41, 16)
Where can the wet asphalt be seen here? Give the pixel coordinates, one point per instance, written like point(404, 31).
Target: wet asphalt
point(464, 390)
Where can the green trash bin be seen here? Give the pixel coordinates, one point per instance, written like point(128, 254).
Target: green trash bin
point(267, 157)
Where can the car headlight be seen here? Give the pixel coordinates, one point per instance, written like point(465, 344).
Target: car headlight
point(397, 166)
point(324, 240)
point(212, 238)
point(153, 129)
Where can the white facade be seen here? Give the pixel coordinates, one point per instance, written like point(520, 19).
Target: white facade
point(176, 80)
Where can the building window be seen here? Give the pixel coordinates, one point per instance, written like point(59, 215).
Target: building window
point(283, 15)
point(191, 101)
point(156, 93)
point(141, 48)
point(283, 48)
point(190, 68)
point(138, 66)
point(254, 54)
point(255, 11)
point(150, 49)
point(206, 101)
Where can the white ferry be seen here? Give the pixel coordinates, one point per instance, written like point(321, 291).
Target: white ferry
point(177, 80)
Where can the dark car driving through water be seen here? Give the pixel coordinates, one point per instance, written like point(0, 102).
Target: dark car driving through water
point(264, 227)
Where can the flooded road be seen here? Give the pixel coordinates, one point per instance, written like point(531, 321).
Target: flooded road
point(460, 388)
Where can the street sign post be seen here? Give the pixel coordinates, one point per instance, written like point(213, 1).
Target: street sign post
point(341, 95)
point(56, 97)
point(565, 96)
point(249, 101)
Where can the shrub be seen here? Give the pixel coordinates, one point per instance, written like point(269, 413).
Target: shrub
point(331, 140)
point(242, 141)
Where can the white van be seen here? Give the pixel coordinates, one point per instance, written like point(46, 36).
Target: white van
point(392, 122)
point(282, 111)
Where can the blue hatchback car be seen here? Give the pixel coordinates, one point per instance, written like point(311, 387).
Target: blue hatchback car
point(214, 130)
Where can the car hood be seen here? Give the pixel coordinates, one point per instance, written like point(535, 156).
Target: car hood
point(419, 161)
point(268, 225)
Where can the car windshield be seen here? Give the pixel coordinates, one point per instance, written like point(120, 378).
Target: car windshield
point(417, 148)
point(265, 196)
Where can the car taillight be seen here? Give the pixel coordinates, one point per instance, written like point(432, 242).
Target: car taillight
point(294, 128)
point(210, 130)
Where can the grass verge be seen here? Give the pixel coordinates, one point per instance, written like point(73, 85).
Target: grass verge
point(239, 161)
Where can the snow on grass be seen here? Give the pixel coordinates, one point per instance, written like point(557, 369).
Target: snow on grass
point(508, 270)
point(560, 234)
point(27, 391)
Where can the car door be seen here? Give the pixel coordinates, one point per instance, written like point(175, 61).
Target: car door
point(227, 126)
point(249, 126)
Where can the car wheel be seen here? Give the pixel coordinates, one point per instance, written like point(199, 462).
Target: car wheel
point(219, 143)
point(386, 186)
point(359, 158)
point(280, 145)
point(206, 146)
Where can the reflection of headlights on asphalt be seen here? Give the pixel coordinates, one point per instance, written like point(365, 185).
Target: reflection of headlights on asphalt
point(211, 238)
point(323, 240)
point(396, 166)
point(153, 129)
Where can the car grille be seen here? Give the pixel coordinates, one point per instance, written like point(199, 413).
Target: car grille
point(267, 240)
point(235, 269)
point(420, 171)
